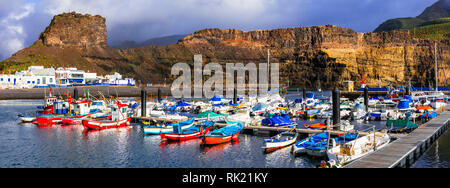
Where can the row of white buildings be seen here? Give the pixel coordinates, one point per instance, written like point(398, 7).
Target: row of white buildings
point(38, 76)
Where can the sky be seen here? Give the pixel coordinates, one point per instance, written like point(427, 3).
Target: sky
point(22, 21)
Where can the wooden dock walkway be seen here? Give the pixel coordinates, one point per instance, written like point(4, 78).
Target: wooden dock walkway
point(406, 150)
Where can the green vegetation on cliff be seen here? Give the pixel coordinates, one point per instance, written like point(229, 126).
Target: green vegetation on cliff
point(438, 29)
point(399, 24)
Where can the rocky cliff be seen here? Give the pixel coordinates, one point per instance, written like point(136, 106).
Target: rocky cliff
point(319, 56)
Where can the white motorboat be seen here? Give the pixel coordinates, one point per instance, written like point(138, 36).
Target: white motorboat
point(358, 148)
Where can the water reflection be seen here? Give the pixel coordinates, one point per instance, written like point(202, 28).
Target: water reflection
point(27, 145)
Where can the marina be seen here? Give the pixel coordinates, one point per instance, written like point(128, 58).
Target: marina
point(274, 127)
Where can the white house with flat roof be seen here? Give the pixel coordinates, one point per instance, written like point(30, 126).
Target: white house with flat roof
point(69, 76)
point(35, 76)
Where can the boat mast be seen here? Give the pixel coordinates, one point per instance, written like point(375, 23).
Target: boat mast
point(435, 66)
point(268, 67)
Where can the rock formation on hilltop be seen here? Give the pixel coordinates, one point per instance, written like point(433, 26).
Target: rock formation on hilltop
point(75, 30)
point(319, 56)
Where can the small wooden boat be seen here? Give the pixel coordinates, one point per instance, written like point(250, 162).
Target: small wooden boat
point(118, 119)
point(159, 129)
point(316, 126)
point(27, 119)
point(194, 132)
point(105, 124)
point(281, 140)
point(223, 135)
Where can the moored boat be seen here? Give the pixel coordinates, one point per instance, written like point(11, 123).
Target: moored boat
point(223, 135)
point(345, 153)
point(316, 126)
point(118, 119)
point(300, 147)
point(320, 149)
point(281, 140)
point(190, 133)
point(159, 129)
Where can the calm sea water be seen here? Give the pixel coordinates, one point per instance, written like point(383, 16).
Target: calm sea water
point(26, 145)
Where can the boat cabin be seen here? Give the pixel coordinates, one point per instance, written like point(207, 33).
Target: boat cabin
point(82, 107)
point(118, 112)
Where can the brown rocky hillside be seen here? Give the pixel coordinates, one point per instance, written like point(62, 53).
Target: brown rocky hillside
point(308, 56)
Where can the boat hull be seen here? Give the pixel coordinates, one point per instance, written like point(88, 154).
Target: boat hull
point(214, 140)
point(163, 130)
point(181, 137)
point(270, 146)
point(27, 119)
point(58, 119)
point(73, 121)
point(97, 125)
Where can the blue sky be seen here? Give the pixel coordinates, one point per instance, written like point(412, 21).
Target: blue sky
point(21, 21)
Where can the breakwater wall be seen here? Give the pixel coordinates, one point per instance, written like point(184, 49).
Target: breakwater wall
point(94, 91)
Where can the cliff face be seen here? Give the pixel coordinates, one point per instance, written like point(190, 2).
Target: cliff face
point(325, 56)
point(320, 56)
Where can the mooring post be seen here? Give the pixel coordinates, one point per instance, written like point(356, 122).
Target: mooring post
point(407, 91)
point(304, 94)
point(336, 106)
point(143, 103)
point(235, 96)
point(159, 95)
point(75, 93)
point(366, 98)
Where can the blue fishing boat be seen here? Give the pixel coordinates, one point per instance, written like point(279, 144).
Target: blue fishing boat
point(320, 149)
point(279, 121)
point(190, 133)
point(300, 147)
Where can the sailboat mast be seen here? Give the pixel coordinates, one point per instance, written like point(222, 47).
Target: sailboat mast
point(268, 63)
point(435, 65)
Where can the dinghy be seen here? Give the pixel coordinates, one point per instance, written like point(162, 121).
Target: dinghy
point(190, 133)
point(316, 126)
point(281, 140)
point(300, 147)
point(158, 129)
point(223, 135)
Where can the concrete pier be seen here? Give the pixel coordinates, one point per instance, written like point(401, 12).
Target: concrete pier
point(116, 91)
point(406, 150)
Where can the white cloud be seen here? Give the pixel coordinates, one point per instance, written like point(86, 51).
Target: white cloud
point(12, 37)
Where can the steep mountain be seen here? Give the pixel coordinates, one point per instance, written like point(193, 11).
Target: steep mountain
point(308, 56)
point(440, 9)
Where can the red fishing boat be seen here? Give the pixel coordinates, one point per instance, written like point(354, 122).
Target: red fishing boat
point(187, 134)
point(48, 104)
point(118, 119)
point(53, 119)
point(105, 124)
point(223, 135)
